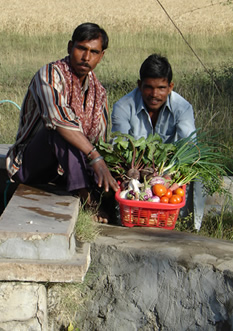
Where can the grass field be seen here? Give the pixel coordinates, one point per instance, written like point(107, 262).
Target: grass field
point(201, 16)
point(196, 36)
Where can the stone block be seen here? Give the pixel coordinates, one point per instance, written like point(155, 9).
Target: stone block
point(67, 271)
point(38, 224)
point(23, 305)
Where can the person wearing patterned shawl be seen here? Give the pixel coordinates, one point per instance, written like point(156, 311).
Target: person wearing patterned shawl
point(63, 115)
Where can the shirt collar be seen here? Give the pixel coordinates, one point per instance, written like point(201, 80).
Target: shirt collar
point(139, 102)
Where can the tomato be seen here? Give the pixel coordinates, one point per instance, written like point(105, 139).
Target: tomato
point(159, 190)
point(168, 193)
point(164, 199)
point(179, 191)
point(175, 199)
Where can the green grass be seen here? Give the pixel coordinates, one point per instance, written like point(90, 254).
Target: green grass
point(86, 229)
point(21, 56)
point(215, 224)
point(210, 92)
point(67, 301)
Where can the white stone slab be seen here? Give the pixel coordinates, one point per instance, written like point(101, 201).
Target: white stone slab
point(38, 224)
point(35, 213)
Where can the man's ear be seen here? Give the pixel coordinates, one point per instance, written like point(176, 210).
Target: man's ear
point(171, 86)
point(70, 46)
point(139, 83)
point(102, 54)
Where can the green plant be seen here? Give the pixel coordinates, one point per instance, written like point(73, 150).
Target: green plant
point(185, 224)
point(212, 98)
point(64, 300)
point(219, 224)
point(86, 229)
point(189, 159)
point(67, 302)
point(215, 224)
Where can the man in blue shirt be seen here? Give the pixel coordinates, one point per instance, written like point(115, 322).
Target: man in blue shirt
point(153, 107)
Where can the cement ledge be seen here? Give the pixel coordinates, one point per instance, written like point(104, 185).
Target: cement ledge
point(187, 249)
point(66, 271)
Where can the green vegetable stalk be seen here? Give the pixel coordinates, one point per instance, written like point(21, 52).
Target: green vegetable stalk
point(186, 160)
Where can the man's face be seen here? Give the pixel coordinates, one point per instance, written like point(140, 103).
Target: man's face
point(85, 55)
point(154, 92)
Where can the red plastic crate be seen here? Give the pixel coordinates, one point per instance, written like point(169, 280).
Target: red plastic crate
point(149, 214)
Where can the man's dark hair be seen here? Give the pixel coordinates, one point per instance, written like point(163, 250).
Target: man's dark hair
point(156, 66)
point(90, 31)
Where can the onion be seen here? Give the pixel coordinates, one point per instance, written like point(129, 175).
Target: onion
point(155, 198)
point(148, 192)
point(134, 185)
point(157, 180)
point(123, 194)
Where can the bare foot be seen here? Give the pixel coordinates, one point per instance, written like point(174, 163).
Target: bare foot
point(100, 219)
point(101, 216)
point(87, 200)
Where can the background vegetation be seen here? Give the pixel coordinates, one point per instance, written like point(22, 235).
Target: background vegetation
point(211, 93)
point(196, 38)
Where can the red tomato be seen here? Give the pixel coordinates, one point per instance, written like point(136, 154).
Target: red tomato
point(164, 199)
point(159, 190)
point(179, 191)
point(175, 199)
point(168, 193)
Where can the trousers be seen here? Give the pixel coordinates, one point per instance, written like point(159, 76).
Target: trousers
point(50, 158)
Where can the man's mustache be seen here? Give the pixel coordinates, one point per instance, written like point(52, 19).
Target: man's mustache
point(84, 64)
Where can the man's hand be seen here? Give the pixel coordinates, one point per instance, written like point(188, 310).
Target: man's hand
point(77, 139)
point(104, 176)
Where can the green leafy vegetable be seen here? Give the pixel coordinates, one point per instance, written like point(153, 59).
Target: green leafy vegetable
point(186, 160)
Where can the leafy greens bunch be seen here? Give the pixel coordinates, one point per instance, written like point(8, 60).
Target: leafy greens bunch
point(186, 160)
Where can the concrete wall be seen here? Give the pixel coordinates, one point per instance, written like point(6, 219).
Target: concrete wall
point(140, 279)
point(153, 279)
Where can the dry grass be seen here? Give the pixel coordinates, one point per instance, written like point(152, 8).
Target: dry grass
point(30, 36)
point(42, 16)
point(64, 301)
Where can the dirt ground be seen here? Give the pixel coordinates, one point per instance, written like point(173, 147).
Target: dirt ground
point(199, 16)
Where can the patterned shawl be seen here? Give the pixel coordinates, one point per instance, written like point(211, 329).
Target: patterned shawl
point(90, 113)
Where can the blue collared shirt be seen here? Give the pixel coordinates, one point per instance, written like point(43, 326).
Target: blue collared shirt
point(175, 120)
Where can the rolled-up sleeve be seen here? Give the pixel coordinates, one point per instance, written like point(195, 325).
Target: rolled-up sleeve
point(48, 89)
point(120, 118)
point(185, 122)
